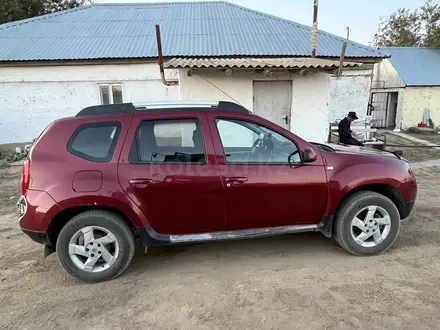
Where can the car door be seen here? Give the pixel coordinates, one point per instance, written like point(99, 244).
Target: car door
point(264, 189)
point(168, 169)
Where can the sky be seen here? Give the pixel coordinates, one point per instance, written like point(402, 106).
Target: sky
point(334, 15)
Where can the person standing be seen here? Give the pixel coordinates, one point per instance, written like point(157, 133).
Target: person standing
point(346, 135)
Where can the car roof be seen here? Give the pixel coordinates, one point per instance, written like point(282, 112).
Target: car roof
point(130, 108)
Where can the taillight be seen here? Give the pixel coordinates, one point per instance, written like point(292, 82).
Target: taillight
point(25, 176)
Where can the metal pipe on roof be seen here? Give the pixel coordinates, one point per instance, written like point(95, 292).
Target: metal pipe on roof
point(160, 57)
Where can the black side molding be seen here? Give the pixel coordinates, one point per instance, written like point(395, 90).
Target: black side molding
point(406, 210)
point(326, 226)
point(149, 237)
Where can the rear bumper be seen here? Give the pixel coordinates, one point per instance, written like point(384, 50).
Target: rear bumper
point(36, 236)
point(36, 210)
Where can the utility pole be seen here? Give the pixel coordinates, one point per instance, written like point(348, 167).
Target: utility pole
point(344, 49)
point(315, 28)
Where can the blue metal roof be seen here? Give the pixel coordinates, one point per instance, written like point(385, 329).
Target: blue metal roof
point(416, 66)
point(215, 28)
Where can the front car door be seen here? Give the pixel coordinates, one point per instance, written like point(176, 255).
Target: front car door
point(264, 186)
point(168, 169)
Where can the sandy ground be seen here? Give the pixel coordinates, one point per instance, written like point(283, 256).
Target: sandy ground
point(289, 282)
point(433, 138)
point(416, 152)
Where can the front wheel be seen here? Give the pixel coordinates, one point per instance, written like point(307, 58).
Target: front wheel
point(367, 223)
point(95, 246)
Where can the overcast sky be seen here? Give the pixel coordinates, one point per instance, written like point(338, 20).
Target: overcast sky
point(360, 15)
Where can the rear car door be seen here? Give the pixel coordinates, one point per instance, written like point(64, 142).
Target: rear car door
point(264, 189)
point(168, 169)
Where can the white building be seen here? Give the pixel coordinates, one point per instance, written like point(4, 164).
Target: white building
point(406, 87)
point(54, 65)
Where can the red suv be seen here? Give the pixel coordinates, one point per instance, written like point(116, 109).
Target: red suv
point(185, 172)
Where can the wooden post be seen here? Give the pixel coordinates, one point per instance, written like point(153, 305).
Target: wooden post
point(344, 49)
point(315, 28)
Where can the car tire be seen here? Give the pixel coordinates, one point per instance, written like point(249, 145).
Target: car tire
point(95, 246)
point(367, 223)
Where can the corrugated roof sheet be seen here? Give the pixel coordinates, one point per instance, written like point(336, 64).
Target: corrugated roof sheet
point(272, 62)
point(214, 28)
point(416, 66)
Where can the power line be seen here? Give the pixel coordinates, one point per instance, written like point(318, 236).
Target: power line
point(212, 84)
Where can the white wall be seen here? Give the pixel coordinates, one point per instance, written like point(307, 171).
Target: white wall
point(317, 98)
point(309, 118)
point(386, 76)
point(32, 97)
point(201, 86)
point(349, 92)
point(416, 100)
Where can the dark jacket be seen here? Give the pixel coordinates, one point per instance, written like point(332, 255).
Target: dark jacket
point(344, 131)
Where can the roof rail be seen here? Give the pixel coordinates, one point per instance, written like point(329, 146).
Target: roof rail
point(153, 105)
point(109, 109)
point(130, 108)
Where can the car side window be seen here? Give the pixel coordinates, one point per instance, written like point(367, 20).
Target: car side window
point(248, 142)
point(95, 142)
point(170, 141)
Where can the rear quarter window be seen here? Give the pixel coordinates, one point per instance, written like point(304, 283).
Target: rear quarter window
point(95, 142)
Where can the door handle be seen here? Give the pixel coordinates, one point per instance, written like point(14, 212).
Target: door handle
point(286, 119)
point(140, 182)
point(236, 180)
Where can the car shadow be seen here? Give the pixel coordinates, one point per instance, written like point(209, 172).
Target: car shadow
point(285, 246)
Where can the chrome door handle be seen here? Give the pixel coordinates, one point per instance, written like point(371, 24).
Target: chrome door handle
point(236, 180)
point(140, 182)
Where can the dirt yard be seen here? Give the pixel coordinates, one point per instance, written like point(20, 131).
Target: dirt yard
point(433, 138)
point(289, 282)
point(416, 152)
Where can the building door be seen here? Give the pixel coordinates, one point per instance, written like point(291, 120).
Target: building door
point(379, 102)
point(273, 101)
point(385, 109)
point(392, 109)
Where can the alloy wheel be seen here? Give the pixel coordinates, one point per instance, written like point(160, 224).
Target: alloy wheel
point(371, 226)
point(93, 249)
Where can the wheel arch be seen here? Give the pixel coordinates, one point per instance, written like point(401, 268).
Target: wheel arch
point(384, 189)
point(63, 217)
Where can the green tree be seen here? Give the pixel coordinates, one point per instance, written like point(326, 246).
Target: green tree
point(405, 27)
point(13, 10)
point(430, 14)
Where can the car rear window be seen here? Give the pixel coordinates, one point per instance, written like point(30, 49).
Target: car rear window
point(95, 142)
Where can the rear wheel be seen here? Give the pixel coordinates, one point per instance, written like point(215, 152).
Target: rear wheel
point(367, 223)
point(95, 246)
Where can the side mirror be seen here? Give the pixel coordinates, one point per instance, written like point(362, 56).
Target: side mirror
point(309, 155)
